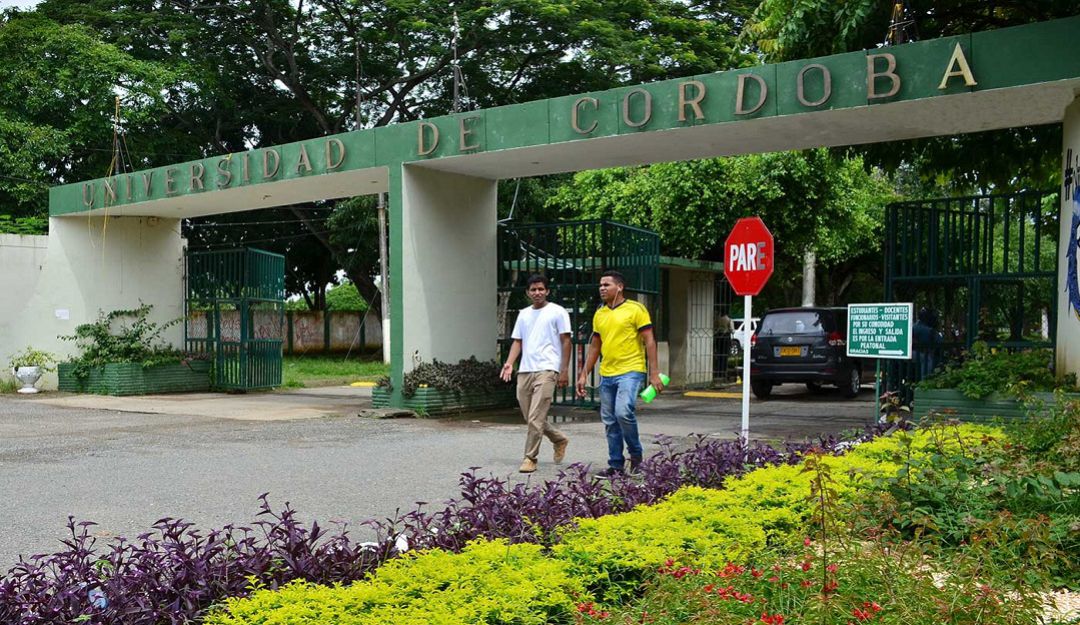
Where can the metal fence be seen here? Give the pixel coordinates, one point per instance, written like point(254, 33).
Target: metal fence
point(249, 284)
point(984, 266)
point(573, 255)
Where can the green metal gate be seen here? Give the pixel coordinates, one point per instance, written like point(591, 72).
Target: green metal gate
point(986, 265)
point(235, 311)
point(573, 255)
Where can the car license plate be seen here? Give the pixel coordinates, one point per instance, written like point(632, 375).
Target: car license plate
point(791, 351)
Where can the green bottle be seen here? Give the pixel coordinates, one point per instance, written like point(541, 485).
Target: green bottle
point(649, 393)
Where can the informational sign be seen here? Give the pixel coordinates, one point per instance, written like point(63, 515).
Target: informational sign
point(748, 256)
point(879, 330)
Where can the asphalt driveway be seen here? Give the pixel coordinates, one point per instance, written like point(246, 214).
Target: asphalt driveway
point(127, 462)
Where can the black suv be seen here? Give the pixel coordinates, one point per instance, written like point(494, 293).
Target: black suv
point(807, 346)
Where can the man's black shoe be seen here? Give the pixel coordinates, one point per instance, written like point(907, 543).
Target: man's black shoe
point(609, 473)
point(635, 465)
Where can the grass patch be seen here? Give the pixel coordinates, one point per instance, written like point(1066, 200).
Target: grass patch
point(329, 370)
point(9, 385)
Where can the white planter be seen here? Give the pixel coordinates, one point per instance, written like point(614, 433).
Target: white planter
point(29, 377)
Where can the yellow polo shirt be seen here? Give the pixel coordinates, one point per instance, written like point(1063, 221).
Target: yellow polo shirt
point(621, 349)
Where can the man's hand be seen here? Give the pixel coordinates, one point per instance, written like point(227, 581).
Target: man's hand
point(507, 372)
point(581, 385)
point(654, 379)
point(564, 379)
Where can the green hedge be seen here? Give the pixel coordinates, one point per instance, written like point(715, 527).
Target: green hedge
point(605, 558)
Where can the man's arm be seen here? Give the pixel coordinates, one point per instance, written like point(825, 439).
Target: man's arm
point(590, 362)
point(650, 354)
point(508, 368)
point(564, 367)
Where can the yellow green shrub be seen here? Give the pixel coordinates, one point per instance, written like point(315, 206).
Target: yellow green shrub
point(613, 554)
point(489, 582)
point(608, 557)
point(765, 508)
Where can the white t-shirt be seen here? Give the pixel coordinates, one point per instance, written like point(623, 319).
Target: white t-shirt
point(539, 330)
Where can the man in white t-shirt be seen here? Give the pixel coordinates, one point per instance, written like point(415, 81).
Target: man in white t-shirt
point(542, 339)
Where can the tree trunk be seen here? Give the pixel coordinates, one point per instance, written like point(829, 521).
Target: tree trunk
point(808, 277)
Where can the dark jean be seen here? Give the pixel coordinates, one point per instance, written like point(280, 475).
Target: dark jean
point(618, 395)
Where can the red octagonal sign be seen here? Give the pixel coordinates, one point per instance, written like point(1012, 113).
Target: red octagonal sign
point(748, 256)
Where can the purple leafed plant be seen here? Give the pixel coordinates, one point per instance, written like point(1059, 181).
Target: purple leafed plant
point(174, 573)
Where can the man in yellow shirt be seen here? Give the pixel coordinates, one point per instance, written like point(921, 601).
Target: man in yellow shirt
point(623, 336)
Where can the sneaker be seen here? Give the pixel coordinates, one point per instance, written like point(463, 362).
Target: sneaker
point(609, 473)
point(560, 450)
point(635, 465)
point(527, 466)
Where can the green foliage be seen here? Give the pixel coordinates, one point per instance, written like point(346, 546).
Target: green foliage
point(811, 200)
point(985, 371)
point(31, 357)
point(487, 583)
point(690, 538)
point(1020, 511)
point(58, 89)
point(23, 225)
point(862, 583)
point(122, 336)
point(614, 554)
point(467, 375)
point(1051, 433)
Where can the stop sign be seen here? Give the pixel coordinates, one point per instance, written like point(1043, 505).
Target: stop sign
point(748, 256)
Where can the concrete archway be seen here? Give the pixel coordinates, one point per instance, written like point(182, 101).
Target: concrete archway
point(441, 174)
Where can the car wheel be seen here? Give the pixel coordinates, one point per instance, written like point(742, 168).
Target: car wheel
point(762, 390)
point(813, 387)
point(851, 389)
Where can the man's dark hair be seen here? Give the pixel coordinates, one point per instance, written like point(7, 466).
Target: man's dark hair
point(533, 279)
point(614, 275)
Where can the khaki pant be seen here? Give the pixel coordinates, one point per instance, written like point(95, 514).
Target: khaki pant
point(535, 390)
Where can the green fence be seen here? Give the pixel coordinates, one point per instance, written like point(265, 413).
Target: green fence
point(247, 351)
point(985, 266)
point(573, 255)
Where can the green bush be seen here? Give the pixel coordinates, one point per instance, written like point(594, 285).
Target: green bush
point(23, 225)
point(610, 558)
point(985, 371)
point(488, 583)
point(122, 336)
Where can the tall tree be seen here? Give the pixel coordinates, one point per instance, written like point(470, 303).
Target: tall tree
point(262, 72)
point(1008, 159)
point(59, 90)
point(812, 201)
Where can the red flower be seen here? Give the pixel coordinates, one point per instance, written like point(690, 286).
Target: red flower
point(832, 568)
point(806, 541)
point(806, 583)
point(774, 579)
point(806, 565)
point(755, 572)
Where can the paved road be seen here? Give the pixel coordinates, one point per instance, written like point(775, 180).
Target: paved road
point(127, 469)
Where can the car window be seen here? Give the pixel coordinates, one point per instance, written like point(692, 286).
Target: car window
point(806, 322)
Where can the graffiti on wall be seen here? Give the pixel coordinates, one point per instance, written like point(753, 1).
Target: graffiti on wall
point(1071, 194)
point(308, 329)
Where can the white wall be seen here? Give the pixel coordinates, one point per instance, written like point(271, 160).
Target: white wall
point(1068, 313)
point(448, 268)
point(86, 266)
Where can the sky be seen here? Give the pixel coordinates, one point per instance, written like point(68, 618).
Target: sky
point(22, 4)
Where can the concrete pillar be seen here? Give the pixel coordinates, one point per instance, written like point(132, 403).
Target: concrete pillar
point(1068, 312)
point(444, 302)
point(93, 265)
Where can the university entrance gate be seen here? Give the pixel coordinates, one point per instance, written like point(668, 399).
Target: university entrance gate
point(441, 174)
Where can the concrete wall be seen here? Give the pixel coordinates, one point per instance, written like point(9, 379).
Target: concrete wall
point(448, 269)
point(86, 266)
point(308, 329)
point(1068, 313)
